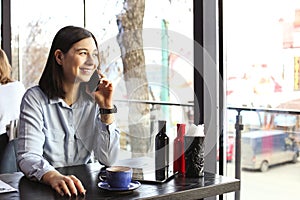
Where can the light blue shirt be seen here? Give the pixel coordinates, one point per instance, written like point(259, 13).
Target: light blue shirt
point(53, 134)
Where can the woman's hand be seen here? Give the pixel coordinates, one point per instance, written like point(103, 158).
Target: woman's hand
point(104, 92)
point(64, 185)
point(104, 97)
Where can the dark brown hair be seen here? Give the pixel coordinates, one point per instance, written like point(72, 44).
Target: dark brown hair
point(52, 76)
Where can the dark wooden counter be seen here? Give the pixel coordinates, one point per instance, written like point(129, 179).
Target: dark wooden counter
point(177, 188)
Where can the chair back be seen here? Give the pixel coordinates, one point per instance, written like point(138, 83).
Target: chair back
point(12, 129)
point(8, 164)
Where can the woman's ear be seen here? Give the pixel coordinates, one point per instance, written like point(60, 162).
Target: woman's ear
point(58, 54)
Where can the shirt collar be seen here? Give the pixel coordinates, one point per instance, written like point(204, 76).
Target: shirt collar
point(83, 98)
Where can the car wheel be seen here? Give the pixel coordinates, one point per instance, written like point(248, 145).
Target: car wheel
point(295, 158)
point(264, 166)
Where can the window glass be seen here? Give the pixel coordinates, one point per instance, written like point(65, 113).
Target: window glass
point(166, 52)
point(261, 40)
point(168, 59)
point(34, 24)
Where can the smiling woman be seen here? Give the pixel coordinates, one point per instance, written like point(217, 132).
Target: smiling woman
point(64, 114)
point(79, 62)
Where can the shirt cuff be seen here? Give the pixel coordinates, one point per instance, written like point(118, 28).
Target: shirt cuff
point(42, 172)
point(110, 128)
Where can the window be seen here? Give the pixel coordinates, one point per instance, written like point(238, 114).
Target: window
point(168, 51)
point(262, 65)
point(167, 48)
point(34, 24)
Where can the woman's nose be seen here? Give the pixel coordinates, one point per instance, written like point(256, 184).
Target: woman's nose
point(92, 60)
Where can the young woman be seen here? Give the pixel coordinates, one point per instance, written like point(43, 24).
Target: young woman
point(11, 93)
point(62, 122)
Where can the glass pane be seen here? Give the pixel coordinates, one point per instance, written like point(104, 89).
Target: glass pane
point(168, 65)
point(262, 63)
point(34, 24)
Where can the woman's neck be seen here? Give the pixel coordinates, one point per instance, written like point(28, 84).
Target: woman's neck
point(72, 93)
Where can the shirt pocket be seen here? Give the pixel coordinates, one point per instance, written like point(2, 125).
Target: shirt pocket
point(54, 148)
point(85, 138)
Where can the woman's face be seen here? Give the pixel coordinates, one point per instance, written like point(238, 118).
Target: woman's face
point(80, 61)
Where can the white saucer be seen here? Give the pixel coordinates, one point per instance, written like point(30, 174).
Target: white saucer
point(132, 186)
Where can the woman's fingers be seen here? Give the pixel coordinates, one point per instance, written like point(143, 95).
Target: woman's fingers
point(62, 188)
point(59, 190)
point(78, 185)
point(64, 185)
point(70, 185)
point(104, 82)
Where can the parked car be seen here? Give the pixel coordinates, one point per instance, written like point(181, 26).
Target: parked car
point(264, 148)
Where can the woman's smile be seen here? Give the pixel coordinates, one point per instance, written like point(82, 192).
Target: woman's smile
point(86, 71)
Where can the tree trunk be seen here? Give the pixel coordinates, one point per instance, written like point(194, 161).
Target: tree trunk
point(130, 24)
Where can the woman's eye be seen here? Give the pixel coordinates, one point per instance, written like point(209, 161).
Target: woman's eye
point(82, 52)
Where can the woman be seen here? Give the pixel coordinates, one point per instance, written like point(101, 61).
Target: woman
point(61, 120)
point(11, 93)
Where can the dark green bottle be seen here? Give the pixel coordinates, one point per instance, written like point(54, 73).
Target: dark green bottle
point(161, 151)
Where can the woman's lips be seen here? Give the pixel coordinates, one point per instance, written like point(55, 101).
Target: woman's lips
point(86, 70)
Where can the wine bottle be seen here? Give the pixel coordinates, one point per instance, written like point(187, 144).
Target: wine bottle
point(161, 151)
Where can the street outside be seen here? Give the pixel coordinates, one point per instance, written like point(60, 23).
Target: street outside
point(280, 182)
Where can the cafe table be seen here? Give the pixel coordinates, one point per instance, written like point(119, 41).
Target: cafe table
point(176, 188)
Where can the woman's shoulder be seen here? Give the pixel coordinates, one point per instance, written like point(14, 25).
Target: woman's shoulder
point(18, 85)
point(14, 84)
point(15, 87)
point(34, 92)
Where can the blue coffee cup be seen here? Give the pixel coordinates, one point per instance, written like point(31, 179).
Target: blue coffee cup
point(119, 176)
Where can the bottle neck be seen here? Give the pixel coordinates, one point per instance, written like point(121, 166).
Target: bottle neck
point(180, 130)
point(162, 127)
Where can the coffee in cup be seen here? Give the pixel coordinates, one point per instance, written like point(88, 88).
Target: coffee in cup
point(119, 176)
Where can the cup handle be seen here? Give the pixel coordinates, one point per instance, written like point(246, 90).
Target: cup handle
point(102, 178)
point(102, 174)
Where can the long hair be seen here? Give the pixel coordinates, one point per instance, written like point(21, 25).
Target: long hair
point(51, 81)
point(5, 68)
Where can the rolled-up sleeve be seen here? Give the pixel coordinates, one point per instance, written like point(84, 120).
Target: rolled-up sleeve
point(31, 138)
point(107, 144)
